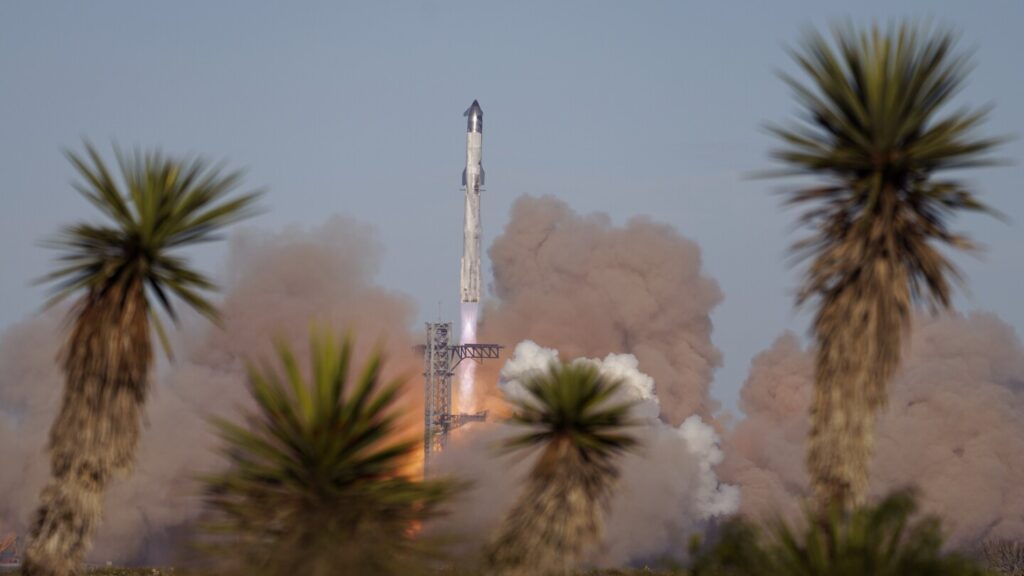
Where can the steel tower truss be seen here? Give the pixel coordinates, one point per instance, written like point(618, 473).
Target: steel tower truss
point(440, 358)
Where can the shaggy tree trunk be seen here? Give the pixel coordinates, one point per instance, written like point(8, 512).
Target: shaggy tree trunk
point(859, 329)
point(105, 362)
point(839, 447)
point(557, 518)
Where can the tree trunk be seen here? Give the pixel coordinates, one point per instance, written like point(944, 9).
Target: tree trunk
point(106, 363)
point(558, 516)
point(839, 447)
point(860, 331)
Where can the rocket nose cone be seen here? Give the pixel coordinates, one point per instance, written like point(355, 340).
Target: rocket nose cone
point(474, 108)
point(475, 117)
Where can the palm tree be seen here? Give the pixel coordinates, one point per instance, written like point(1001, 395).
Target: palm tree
point(875, 136)
point(316, 482)
point(572, 416)
point(124, 271)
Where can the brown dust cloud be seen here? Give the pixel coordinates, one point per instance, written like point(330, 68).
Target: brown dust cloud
point(954, 428)
point(633, 298)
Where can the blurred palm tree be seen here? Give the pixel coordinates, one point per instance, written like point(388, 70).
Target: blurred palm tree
point(125, 271)
point(316, 482)
point(874, 135)
point(573, 417)
point(887, 539)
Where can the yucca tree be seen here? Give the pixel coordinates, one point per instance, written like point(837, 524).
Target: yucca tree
point(317, 482)
point(875, 135)
point(574, 417)
point(123, 272)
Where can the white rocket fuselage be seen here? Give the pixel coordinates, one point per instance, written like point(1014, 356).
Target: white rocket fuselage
point(473, 180)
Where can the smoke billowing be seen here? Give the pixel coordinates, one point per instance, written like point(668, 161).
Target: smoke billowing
point(636, 296)
point(668, 488)
point(954, 427)
point(574, 282)
point(588, 288)
point(277, 285)
point(30, 388)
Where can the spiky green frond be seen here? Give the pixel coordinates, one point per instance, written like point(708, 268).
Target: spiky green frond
point(158, 205)
point(320, 461)
point(576, 403)
point(875, 131)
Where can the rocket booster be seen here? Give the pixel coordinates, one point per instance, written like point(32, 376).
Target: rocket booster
point(472, 180)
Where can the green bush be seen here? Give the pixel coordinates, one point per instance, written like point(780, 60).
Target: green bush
point(317, 481)
point(881, 540)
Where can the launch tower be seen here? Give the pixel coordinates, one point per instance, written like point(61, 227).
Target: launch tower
point(440, 357)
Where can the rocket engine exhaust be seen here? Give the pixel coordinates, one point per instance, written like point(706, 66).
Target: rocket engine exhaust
point(467, 370)
point(469, 285)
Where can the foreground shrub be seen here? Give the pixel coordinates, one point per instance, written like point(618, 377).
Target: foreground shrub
point(570, 413)
point(880, 540)
point(315, 482)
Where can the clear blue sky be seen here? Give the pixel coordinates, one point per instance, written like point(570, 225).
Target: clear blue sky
point(623, 107)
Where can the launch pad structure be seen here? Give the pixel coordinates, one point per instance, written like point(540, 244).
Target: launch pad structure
point(440, 357)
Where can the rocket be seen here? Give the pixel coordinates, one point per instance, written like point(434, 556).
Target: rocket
point(472, 180)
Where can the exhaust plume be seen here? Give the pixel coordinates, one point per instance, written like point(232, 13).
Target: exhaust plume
point(583, 286)
point(276, 285)
point(467, 370)
point(668, 488)
point(954, 427)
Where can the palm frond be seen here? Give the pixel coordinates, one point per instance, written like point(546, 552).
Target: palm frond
point(573, 402)
point(159, 204)
point(871, 129)
point(319, 446)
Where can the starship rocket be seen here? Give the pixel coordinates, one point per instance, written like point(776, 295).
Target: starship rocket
point(472, 180)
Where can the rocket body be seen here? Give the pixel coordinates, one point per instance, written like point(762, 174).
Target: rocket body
point(472, 180)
